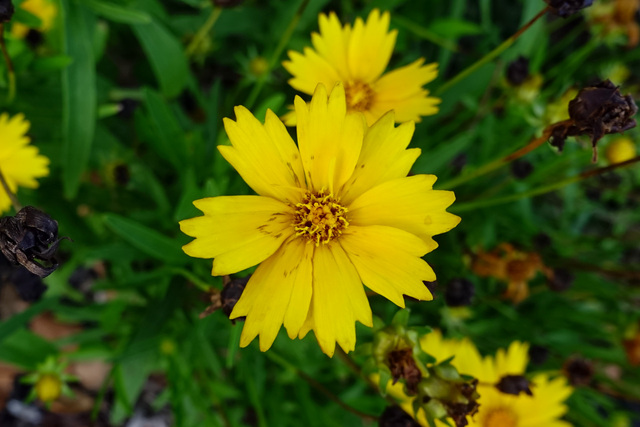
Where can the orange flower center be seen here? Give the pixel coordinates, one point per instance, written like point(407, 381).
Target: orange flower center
point(359, 96)
point(500, 417)
point(320, 217)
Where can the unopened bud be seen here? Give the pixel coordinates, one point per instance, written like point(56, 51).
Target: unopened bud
point(518, 71)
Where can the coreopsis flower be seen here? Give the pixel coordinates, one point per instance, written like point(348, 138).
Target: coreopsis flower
point(332, 213)
point(507, 398)
point(20, 163)
point(46, 10)
point(358, 56)
point(49, 381)
point(620, 150)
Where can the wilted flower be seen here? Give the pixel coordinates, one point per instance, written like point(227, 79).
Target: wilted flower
point(518, 71)
point(596, 111)
point(632, 348)
point(20, 162)
point(357, 56)
point(334, 212)
point(6, 10)
point(30, 239)
point(566, 8)
point(514, 384)
point(579, 371)
point(46, 10)
point(28, 285)
point(227, 298)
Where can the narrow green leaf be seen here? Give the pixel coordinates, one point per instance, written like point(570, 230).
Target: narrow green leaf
point(79, 96)
point(169, 140)
point(166, 56)
point(118, 13)
point(146, 239)
point(27, 18)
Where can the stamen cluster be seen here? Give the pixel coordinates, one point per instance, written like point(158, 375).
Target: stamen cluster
point(320, 217)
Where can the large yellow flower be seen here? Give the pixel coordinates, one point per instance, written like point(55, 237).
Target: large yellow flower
point(332, 213)
point(358, 56)
point(46, 10)
point(20, 162)
point(497, 409)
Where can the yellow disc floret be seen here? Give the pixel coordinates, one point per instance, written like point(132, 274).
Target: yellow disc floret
point(500, 417)
point(320, 217)
point(359, 96)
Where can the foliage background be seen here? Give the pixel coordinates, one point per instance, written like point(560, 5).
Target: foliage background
point(130, 123)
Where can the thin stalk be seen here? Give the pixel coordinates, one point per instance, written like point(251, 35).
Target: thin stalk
point(541, 190)
point(10, 72)
point(14, 200)
point(318, 386)
point(203, 31)
point(489, 56)
point(284, 39)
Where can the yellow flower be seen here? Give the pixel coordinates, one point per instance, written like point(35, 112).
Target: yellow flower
point(333, 212)
point(620, 149)
point(46, 10)
point(497, 409)
point(48, 387)
point(20, 162)
point(358, 56)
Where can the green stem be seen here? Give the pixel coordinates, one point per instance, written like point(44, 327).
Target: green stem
point(203, 31)
point(489, 56)
point(462, 207)
point(10, 72)
point(286, 36)
point(199, 283)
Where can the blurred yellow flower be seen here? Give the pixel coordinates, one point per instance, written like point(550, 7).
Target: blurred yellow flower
point(358, 56)
point(620, 149)
point(497, 409)
point(48, 388)
point(333, 212)
point(46, 10)
point(20, 163)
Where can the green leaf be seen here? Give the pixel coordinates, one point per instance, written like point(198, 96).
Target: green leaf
point(118, 13)
point(25, 349)
point(146, 239)
point(27, 18)
point(169, 140)
point(79, 96)
point(166, 56)
point(454, 28)
point(17, 321)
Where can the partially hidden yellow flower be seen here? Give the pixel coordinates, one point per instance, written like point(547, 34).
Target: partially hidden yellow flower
point(20, 162)
point(497, 409)
point(48, 387)
point(332, 213)
point(358, 56)
point(620, 150)
point(46, 10)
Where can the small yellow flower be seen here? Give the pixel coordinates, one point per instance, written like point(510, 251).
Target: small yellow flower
point(46, 10)
point(620, 149)
point(333, 212)
point(497, 409)
point(358, 56)
point(48, 388)
point(20, 162)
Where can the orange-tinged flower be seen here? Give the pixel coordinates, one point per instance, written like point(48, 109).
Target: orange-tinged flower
point(358, 56)
point(333, 212)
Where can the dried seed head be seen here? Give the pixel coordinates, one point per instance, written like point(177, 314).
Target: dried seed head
point(30, 239)
point(514, 384)
point(403, 365)
point(231, 293)
point(566, 8)
point(560, 280)
point(518, 71)
point(6, 10)
point(459, 292)
point(579, 371)
point(596, 111)
point(394, 416)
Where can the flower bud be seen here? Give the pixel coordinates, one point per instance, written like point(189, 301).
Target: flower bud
point(518, 71)
point(566, 8)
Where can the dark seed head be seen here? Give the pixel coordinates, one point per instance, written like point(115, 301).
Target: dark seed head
point(579, 371)
point(459, 292)
point(566, 8)
point(518, 71)
point(402, 364)
point(514, 384)
point(6, 10)
point(394, 416)
point(538, 354)
point(231, 294)
point(560, 280)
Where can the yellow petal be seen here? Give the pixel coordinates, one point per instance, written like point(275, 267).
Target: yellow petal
point(278, 292)
point(388, 261)
point(401, 91)
point(338, 300)
point(409, 204)
point(383, 157)
point(237, 231)
point(264, 155)
point(329, 139)
point(370, 47)
point(513, 361)
point(309, 70)
point(331, 44)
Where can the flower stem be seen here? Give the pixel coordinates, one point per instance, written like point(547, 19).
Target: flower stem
point(489, 56)
point(14, 200)
point(284, 39)
point(10, 72)
point(462, 207)
point(203, 31)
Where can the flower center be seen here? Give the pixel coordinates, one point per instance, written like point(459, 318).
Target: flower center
point(359, 96)
point(500, 417)
point(320, 217)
